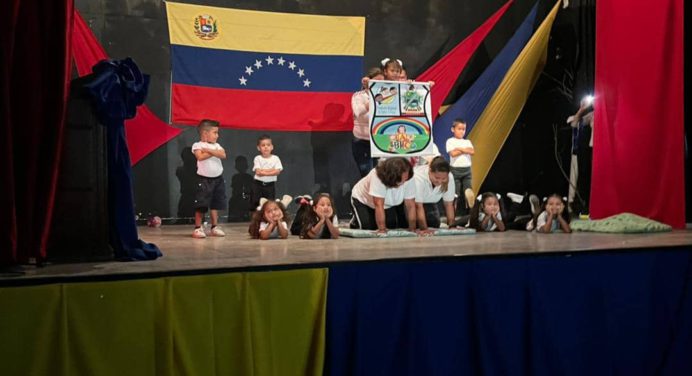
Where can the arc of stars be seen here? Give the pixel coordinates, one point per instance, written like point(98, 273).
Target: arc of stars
point(280, 61)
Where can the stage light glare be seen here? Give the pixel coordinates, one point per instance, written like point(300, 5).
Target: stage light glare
point(588, 100)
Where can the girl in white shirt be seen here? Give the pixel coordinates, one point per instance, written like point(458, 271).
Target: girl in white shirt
point(321, 221)
point(269, 221)
point(487, 214)
point(553, 218)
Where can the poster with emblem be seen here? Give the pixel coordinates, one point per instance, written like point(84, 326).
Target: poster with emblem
point(400, 119)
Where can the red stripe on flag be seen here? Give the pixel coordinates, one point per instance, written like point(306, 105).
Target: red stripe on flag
point(263, 110)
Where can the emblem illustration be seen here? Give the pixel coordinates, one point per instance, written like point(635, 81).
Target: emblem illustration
point(205, 27)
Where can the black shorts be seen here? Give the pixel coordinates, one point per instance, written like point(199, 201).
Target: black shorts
point(364, 216)
point(432, 214)
point(261, 189)
point(210, 194)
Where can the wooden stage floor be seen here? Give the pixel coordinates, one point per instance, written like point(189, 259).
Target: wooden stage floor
point(236, 251)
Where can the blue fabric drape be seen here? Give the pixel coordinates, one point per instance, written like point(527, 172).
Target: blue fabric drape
point(471, 105)
point(117, 88)
point(627, 313)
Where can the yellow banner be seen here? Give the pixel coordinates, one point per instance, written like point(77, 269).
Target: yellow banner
point(498, 118)
point(255, 323)
point(255, 31)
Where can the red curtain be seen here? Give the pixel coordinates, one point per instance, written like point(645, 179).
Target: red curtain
point(638, 140)
point(34, 87)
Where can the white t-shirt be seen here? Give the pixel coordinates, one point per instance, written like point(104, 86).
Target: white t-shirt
point(425, 193)
point(462, 160)
point(491, 226)
point(543, 219)
point(275, 233)
point(371, 186)
point(210, 167)
point(273, 162)
point(335, 222)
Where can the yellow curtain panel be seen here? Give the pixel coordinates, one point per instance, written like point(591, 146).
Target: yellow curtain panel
point(259, 323)
point(498, 118)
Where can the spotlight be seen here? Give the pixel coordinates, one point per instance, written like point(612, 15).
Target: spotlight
point(588, 100)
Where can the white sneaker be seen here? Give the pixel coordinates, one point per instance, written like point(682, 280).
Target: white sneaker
point(216, 231)
point(470, 197)
point(535, 204)
point(199, 233)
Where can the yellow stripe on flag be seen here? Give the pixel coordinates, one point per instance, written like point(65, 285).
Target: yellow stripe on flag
point(498, 118)
point(246, 30)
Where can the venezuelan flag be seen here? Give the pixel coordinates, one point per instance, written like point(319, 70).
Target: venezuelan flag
point(264, 70)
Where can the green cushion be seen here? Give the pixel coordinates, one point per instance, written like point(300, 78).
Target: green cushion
point(620, 223)
point(357, 233)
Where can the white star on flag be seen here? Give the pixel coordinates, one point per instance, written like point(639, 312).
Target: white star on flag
point(243, 81)
point(281, 60)
point(258, 64)
point(269, 60)
point(249, 71)
point(301, 72)
point(292, 65)
point(306, 83)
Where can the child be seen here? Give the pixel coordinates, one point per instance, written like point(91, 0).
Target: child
point(269, 221)
point(391, 69)
point(304, 203)
point(554, 217)
point(486, 215)
point(320, 222)
point(460, 151)
point(211, 191)
point(266, 167)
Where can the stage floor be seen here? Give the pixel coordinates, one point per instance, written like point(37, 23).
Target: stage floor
point(236, 251)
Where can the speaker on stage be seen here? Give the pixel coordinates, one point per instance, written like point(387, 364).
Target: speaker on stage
point(80, 219)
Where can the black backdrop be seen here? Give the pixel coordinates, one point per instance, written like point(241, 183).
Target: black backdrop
point(417, 32)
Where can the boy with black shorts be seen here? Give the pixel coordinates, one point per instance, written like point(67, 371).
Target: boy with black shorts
point(211, 190)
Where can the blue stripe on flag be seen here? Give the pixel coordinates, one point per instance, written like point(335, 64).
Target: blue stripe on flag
point(265, 71)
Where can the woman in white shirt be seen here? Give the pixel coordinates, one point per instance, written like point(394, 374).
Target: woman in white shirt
point(434, 182)
point(385, 197)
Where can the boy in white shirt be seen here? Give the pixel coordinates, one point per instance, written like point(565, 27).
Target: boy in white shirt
point(460, 151)
point(211, 187)
point(266, 167)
